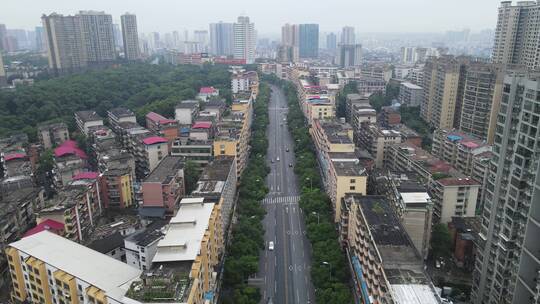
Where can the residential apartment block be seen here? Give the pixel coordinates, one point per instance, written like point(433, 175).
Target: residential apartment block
point(515, 33)
point(77, 206)
point(85, 120)
point(376, 140)
point(52, 135)
point(130, 37)
point(385, 265)
point(47, 268)
point(217, 183)
point(507, 261)
point(481, 100)
point(443, 89)
point(119, 115)
point(165, 185)
point(342, 171)
point(410, 94)
point(234, 132)
point(452, 192)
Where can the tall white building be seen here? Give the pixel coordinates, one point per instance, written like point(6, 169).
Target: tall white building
point(347, 35)
point(245, 39)
point(98, 36)
point(130, 36)
point(221, 38)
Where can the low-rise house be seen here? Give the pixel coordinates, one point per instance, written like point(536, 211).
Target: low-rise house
point(206, 93)
point(112, 245)
point(141, 246)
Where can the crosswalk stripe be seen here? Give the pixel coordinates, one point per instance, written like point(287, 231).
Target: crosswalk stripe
point(281, 200)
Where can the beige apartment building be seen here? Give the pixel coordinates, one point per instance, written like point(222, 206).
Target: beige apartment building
point(443, 88)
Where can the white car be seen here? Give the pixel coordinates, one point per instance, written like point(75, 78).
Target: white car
point(271, 246)
point(277, 158)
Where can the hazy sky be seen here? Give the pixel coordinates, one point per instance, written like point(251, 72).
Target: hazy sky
point(269, 15)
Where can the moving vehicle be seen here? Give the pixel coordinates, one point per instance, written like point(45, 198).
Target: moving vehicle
point(287, 149)
point(290, 165)
point(277, 158)
point(271, 246)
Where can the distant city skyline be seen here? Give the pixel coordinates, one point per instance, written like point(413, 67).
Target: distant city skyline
point(366, 16)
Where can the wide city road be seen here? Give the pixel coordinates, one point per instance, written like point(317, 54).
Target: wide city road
point(284, 274)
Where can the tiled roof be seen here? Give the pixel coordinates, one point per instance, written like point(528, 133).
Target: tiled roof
point(202, 125)
point(154, 140)
point(45, 225)
point(12, 156)
point(86, 175)
point(69, 147)
point(207, 90)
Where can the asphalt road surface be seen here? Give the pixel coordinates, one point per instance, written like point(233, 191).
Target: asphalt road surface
point(284, 274)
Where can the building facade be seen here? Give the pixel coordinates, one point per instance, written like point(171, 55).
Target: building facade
point(508, 254)
point(443, 89)
point(481, 100)
point(97, 37)
point(221, 38)
point(65, 49)
point(130, 37)
point(515, 34)
point(245, 39)
point(308, 43)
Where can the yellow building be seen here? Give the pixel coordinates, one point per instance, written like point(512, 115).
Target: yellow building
point(47, 268)
point(342, 172)
point(234, 133)
point(346, 177)
point(187, 257)
point(443, 83)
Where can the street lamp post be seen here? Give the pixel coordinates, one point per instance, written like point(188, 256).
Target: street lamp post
point(329, 267)
point(317, 214)
point(310, 184)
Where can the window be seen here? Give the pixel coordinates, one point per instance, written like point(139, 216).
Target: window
point(352, 188)
point(353, 180)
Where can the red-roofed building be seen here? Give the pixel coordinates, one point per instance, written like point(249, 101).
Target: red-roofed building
point(47, 225)
point(202, 125)
point(168, 128)
point(69, 161)
point(148, 152)
point(458, 148)
point(86, 175)
point(205, 93)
